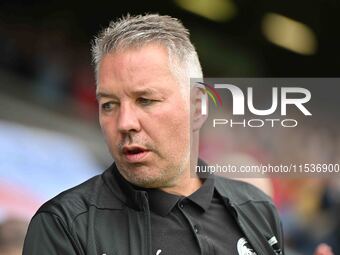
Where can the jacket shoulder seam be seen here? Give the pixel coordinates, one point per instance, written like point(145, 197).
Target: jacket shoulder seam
point(66, 227)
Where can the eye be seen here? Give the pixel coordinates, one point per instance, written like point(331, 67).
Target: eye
point(107, 106)
point(145, 101)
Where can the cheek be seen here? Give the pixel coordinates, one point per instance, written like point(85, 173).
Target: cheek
point(172, 125)
point(108, 127)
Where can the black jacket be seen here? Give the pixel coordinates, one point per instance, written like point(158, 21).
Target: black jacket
point(97, 218)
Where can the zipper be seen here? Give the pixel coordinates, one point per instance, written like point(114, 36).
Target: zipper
point(146, 210)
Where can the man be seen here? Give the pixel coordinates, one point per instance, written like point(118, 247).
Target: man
point(148, 201)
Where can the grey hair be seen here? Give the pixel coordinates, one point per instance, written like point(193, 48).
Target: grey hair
point(137, 31)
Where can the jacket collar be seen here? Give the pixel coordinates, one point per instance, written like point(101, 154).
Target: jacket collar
point(134, 197)
point(122, 190)
point(162, 202)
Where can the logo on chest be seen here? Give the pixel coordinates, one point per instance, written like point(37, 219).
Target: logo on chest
point(243, 247)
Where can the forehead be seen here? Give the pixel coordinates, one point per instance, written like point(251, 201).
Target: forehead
point(141, 65)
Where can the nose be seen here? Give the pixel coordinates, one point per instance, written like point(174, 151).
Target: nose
point(128, 120)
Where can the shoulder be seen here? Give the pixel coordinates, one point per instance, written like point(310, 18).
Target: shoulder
point(74, 201)
point(240, 192)
point(95, 193)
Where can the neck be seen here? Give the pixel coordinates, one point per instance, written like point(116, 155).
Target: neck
point(185, 185)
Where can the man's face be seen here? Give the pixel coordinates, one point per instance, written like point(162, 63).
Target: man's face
point(144, 116)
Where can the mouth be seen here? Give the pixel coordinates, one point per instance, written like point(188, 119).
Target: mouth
point(135, 154)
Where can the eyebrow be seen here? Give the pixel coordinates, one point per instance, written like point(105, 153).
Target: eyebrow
point(145, 92)
point(142, 92)
point(104, 94)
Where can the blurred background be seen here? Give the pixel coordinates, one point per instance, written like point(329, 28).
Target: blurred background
point(49, 134)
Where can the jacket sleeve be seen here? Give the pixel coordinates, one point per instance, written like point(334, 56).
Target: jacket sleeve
point(48, 234)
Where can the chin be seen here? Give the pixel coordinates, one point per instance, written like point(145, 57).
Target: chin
point(148, 177)
point(147, 181)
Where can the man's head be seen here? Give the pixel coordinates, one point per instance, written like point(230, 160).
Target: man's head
point(143, 70)
point(137, 31)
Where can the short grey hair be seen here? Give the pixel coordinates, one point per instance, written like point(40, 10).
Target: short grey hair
point(137, 31)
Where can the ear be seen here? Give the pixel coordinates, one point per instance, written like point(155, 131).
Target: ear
point(199, 100)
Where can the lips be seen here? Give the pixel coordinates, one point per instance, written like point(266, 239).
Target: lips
point(135, 154)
